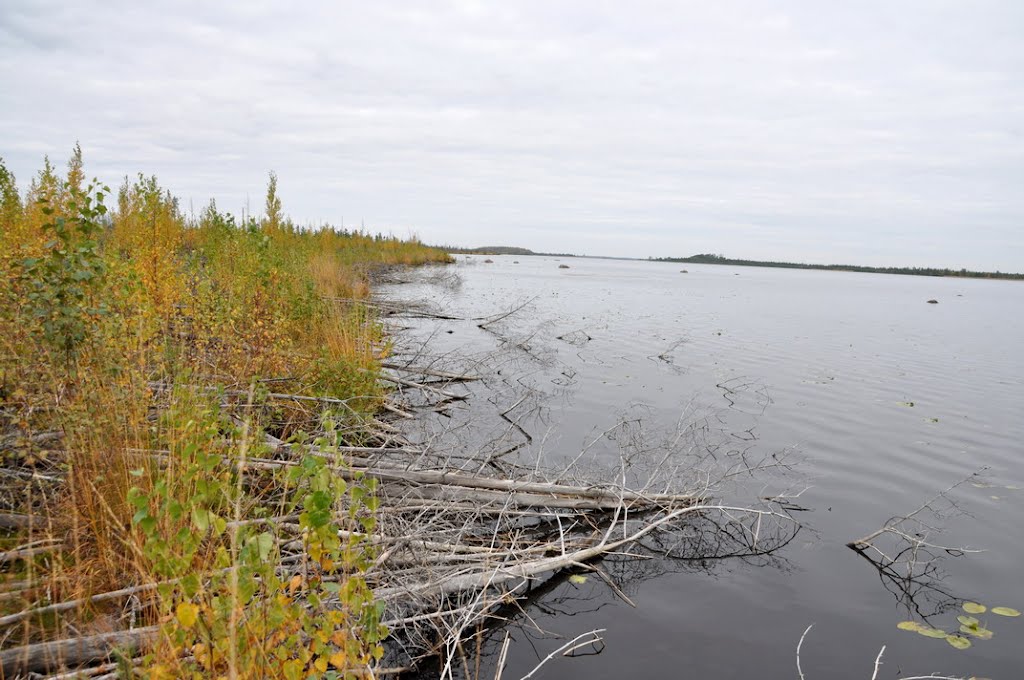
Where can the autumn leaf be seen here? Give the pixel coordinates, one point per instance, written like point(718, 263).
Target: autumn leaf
point(187, 613)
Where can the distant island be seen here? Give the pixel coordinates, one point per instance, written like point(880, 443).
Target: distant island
point(499, 250)
point(707, 258)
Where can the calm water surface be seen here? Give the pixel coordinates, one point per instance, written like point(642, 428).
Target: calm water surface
point(832, 362)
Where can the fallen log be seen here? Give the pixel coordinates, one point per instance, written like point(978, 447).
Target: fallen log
point(46, 657)
point(420, 370)
point(14, 521)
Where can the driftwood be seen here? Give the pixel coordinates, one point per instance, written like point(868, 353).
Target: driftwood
point(25, 553)
point(419, 370)
point(14, 521)
point(465, 533)
point(45, 657)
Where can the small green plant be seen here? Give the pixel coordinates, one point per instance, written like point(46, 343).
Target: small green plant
point(63, 283)
point(248, 616)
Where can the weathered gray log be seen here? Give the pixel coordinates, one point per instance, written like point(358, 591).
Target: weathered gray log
point(44, 657)
point(13, 521)
point(421, 370)
point(75, 604)
point(24, 553)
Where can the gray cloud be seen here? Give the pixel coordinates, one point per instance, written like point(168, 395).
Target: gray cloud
point(873, 132)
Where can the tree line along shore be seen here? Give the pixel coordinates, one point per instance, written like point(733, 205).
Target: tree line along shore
point(911, 271)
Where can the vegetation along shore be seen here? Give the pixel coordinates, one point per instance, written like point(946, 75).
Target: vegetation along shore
point(145, 356)
point(210, 465)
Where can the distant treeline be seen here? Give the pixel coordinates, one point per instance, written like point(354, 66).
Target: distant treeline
point(707, 258)
point(498, 250)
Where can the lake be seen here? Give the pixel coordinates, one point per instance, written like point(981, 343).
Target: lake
point(881, 400)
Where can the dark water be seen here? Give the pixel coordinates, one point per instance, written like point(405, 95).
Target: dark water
point(825, 364)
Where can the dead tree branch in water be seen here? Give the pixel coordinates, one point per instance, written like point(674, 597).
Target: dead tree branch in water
point(909, 562)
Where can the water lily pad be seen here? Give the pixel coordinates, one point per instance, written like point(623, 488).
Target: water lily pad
point(958, 641)
point(974, 608)
point(968, 621)
point(909, 625)
point(1005, 611)
point(980, 633)
point(931, 632)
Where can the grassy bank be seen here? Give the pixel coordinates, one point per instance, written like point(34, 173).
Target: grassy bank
point(148, 361)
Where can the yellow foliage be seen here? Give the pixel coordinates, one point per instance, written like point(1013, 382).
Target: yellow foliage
point(208, 303)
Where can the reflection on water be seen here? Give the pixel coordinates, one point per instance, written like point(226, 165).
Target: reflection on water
point(909, 558)
point(884, 399)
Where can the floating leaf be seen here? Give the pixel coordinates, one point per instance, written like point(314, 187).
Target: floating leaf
point(958, 641)
point(974, 608)
point(1005, 611)
point(980, 633)
point(931, 632)
point(968, 621)
point(578, 579)
point(909, 625)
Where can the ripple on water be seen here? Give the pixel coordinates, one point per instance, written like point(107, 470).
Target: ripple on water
point(842, 356)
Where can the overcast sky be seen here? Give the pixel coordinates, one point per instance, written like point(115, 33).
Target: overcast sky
point(861, 132)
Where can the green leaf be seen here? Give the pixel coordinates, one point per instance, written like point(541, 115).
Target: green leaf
point(148, 524)
point(578, 579)
point(190, 584)
point(201, 519)
point(974, 608)
point(909, 625)
point(958, 642)
point(264, 543)
point(1005, 611)
point(969, 621)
